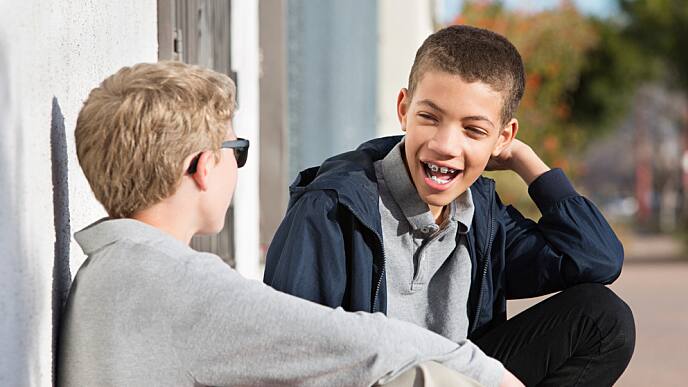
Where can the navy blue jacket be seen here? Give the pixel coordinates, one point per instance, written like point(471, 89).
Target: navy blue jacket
point(329, 247)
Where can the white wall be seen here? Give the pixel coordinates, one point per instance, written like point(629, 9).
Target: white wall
point(50, 49)
point(246, 62)
point(403, 26)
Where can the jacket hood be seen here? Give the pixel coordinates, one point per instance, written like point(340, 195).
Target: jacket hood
point(351, 176)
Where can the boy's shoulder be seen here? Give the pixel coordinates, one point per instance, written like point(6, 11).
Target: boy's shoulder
point(136, 249)
point(346, 179)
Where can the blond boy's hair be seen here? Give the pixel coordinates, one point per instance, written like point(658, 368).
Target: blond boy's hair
point(136, 129)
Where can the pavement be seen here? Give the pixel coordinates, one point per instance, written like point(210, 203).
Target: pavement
point(654, 283)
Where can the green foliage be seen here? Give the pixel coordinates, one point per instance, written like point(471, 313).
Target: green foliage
point(660, 28)
point(610, 75)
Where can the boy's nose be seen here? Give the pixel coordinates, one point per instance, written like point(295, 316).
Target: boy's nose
point(447, 142)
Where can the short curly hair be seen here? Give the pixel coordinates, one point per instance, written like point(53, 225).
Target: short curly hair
point(474, 54)
point(135, 130)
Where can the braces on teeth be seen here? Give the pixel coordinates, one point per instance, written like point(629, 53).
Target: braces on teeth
point(435, 168)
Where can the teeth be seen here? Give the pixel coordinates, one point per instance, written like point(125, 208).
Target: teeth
point(444, 170)
point(438, 180)
point(434, 167)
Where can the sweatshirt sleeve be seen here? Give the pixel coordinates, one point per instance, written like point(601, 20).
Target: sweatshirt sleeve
point(247, 333)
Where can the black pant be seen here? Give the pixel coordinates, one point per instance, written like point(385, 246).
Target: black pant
point(583, 336)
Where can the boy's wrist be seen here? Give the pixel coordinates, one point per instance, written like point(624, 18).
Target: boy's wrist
point(527, 164)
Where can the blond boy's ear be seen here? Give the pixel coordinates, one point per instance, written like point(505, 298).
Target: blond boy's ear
point(402, 107)
point(205, 161)
point(506, 136)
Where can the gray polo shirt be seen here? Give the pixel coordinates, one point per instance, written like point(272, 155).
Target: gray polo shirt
point(428, 273)
point(147, 310)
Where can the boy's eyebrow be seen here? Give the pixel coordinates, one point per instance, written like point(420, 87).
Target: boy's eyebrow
point(434, 106)
point(479, 118)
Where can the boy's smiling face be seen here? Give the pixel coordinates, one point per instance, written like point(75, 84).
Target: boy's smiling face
point(452, 129)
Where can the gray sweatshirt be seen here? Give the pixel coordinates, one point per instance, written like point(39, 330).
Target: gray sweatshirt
point(147, 310)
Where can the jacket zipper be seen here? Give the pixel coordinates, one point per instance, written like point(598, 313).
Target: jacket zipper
point(485, 265)
point(382, 249)
point(379, 280)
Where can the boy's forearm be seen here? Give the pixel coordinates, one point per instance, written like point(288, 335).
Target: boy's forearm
point(527, 164)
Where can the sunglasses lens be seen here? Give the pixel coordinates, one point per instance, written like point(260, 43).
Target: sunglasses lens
point(241, 154)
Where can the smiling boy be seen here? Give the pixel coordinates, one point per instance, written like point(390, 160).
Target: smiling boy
point(408, 227)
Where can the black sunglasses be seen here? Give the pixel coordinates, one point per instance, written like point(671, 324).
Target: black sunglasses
point(240, 147)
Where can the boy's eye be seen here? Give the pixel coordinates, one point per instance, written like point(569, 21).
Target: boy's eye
point(427, 117)
point(476, 131)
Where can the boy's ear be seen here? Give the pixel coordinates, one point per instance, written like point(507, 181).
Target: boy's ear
point(506, 136)
point(402, 107)
point(205, 161)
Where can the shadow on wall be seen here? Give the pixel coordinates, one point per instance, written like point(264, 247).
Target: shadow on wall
point(61, 275)
point(22, 295)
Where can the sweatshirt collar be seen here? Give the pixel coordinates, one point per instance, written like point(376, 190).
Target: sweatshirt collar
point(108, 230)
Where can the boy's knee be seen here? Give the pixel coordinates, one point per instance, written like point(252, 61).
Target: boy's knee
point(612, 316)
point(603, 301)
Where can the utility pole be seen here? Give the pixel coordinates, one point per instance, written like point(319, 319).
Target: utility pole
point(643, 163)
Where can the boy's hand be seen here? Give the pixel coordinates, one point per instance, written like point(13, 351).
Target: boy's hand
point(520, 158)
point(509, 380)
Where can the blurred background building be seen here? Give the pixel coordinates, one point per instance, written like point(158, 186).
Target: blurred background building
point(605, 101)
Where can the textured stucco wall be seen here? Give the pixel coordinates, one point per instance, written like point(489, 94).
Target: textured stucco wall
point(52, 52)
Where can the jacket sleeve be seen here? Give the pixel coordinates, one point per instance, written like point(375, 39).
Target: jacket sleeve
point(572, 243)
point(306, 256)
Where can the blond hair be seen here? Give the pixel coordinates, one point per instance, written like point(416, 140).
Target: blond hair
point(136, 129)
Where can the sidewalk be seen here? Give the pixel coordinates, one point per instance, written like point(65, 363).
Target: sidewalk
point(654, 282)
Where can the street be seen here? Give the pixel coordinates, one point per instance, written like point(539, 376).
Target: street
point(654, 282)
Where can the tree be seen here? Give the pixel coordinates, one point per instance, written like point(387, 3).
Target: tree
point(660, 27)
